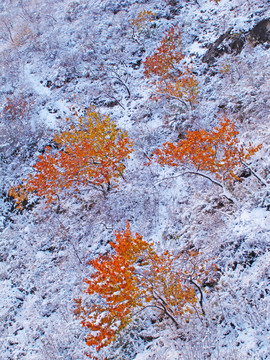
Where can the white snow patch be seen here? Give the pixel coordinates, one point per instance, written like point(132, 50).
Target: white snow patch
point(258, 216)
point(34, 81)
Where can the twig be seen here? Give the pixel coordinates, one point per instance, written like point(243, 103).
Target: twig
point(118, 101)
point(201, 294)
point(174, 98)
point(163, 306)
point(121, 82)
point(193, 173)
point(254, 173)
point(225, 192)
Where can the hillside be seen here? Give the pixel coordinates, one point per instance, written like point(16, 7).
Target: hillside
point(60, 58)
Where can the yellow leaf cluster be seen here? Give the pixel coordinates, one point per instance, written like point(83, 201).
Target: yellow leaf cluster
point(143, 19)
point(91, 151)
point(20, 194)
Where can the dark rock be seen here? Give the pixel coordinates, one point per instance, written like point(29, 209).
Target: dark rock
point(210, 283)
point(111, 103)
point(222, 106)
point(227, 43)
point(260, 33)
point(215, 50)
point(52, 110)
point(249, 258)
point(48, 248)
point(237, 44)
point(148, 338)
point(137, 64)
point(233, 43)
point(139, 52)
point(244, 172)
point(33, 290)
point(48, 83)
point(13, 342)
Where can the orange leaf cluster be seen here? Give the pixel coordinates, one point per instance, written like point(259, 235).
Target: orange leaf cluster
point(218, 151)
point(184, 87)
point(168, 79)
point(16, 109)
point(135, 277)
point(91, 151)
point(144, 17)
point(166, 56)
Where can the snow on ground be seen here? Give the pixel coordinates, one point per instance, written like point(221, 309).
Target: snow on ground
point(84, 53)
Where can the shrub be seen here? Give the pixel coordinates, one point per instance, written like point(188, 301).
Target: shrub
point(90, 152)
point(218, 152)
point(135, 277)
point(162, 68)
point(141, 25)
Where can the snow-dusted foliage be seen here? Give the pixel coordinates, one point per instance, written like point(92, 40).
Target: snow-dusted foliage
point(57, 55)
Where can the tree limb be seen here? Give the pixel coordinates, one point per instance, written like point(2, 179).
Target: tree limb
point(193, 173)
point(254, 173)
point(201, 294)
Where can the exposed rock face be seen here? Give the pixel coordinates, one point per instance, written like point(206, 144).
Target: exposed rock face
point(228, 43)
point(260, 34)
point(233, 43)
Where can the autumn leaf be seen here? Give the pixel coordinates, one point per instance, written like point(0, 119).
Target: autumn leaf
point(134, 277)
point(166, 56)
point(163, 68)
point(218, 152)
point(91, 151)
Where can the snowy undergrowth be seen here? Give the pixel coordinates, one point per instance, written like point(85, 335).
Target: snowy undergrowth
point(55, 50)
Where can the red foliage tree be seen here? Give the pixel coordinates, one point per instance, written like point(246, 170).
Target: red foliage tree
point(166, 56)
point(132, 278)
point(91, 152)
point(163, 68)
point(218, 152)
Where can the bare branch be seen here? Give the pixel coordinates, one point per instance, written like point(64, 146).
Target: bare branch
point(254, 173)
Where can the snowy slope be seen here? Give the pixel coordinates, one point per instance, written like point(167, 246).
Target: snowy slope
point(56, 54)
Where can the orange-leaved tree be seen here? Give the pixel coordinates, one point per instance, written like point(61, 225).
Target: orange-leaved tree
point(91, 151)
point(163, 68)
point(135, 277)
point(164, 60)
point(217, 152)
point(183, 88)
point(141, 25)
